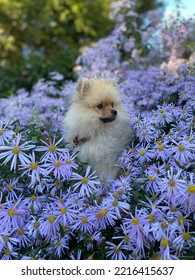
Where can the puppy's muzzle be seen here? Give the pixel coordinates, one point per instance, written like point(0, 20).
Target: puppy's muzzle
point(110, 118)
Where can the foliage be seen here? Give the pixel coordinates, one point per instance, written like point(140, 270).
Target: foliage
point(58, 207)
point(41, 36)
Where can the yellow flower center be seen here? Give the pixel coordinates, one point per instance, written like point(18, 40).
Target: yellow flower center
point(51, 219)
point(120, 192)
point(85, 180)
point(63, 210)
point(20, 231)
point(10, 187)
point(181, 220)
point(11, 212)
point(163, 225)
point(102, 179)
point(151, 218)
point(135, 221)
point(171, 183)
point(57, 183)
point(36, 224)
point(69, 161)
point(154, 198)
point(84, 220)
point(167, 166)
point(191, 189)
point(33, 166)
point(126, 238)
point(164, 116)
point(160, 147)
point(7, 252)
point(5, 239)
point(115, 203)
point(142, 153)
point(186, 236)
point(144, 133)
point(1, 132)
point(164, 242)
point(98, 215)
point(115, 195)
point(33, 197)
point(58, 243)
point(52, 149)
point(116, 250)
point(104, 212)
point(16, 150)
point(152, 178)
point(181, 148)
point(57, 164)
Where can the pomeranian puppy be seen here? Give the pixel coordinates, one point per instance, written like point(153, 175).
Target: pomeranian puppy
point(98, 125)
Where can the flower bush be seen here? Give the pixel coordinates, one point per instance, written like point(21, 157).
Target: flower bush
point(54, 207)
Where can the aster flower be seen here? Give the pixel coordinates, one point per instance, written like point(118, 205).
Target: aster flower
point(11, 189)
point(9, 254)
point(49, 226)
point(34, 169)
point(117, 205)
point(183, 240)
point(8, 241)
point(103, 216)
point(56, 165)
point(86, 183)
point(5, 133)
point(162, 150)
point(83, 222)
point(126, 157)
point(115, 251)
point(50, 149)
point(172, 185)
point(183, 151)
point(33, 227)
point(12, 215)
point(64, 210)
point(15, 151)
point(34, 202)
point(164, 114)
point(143, 153)
point(58, 245)
point(135, 228)
point(23, 238)
point(186, 195)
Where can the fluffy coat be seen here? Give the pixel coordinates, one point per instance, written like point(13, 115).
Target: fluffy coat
point(98, 120)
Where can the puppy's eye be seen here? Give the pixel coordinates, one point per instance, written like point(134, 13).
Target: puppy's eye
point(112, 105)
point(100, 106)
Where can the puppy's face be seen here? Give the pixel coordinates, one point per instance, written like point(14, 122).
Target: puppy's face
point(106, 111)
point(100, 98)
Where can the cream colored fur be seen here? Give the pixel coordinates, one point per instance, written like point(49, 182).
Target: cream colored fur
point(106, 140)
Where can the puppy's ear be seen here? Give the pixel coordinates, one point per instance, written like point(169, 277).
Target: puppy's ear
point(83, 86)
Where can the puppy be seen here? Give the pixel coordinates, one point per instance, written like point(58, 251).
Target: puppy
point(98, 125)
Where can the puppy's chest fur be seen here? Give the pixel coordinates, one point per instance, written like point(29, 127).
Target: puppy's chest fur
point(102, 150)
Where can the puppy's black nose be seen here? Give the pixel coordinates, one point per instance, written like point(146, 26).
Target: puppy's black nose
point(114, 112)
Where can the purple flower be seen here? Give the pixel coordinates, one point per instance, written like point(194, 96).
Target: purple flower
point(50, 149)
point(115, 251)
point(57, 165)
point(34, 169)
point(15, 151)
point(86, 184)
point(5, 133)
